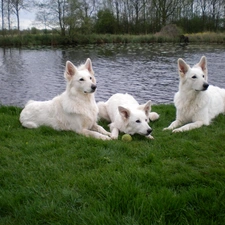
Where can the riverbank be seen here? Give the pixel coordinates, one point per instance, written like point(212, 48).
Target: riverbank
point(57, 40)
point(50, 177)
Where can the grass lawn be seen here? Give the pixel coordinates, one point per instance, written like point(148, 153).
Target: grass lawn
point(52, 177)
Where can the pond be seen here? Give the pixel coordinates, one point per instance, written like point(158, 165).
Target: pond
point(146, 71)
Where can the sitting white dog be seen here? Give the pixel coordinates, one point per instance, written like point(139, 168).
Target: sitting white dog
point(75, 109)
point(197, 102)
point(126, 115)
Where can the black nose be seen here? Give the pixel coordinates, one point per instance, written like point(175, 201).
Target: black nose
point(205, 86)
point(149, 131)
point(93, 87)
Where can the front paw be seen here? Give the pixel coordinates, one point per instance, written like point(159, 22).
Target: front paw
point(105, 137)
point(167, 128)
point(114, 137)
point(177, 130)
point(109, 134)
point(150, 137)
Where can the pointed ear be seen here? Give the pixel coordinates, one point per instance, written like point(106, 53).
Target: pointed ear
point(203, 64)
point(125, 113)
point(70, 70)
point(183, 67)
point(146, 107)
point(88, 65)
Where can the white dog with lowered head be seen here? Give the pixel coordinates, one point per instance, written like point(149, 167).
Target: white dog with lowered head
point(197, 102)
point(126, 115)
point(75, 109)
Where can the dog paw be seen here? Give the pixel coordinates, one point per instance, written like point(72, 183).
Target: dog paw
point(150, 137)
point(167, 128)
point(105, 138)
point(177, 130)
point(114, 137)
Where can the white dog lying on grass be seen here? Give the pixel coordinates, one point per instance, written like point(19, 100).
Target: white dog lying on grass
point(75, 109)
point(197, 102)
point(126, 115)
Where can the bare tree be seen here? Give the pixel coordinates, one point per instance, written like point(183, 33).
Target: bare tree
point(17, 5)
point(2, 11)
point(9, 14)
point(52, 13)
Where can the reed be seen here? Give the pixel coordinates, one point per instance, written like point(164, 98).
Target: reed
point(56, 40)
point(207, 37)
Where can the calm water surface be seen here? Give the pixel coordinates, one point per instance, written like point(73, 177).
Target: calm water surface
point(147, 71)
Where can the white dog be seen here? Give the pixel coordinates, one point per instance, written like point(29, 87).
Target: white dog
point(75, 109)
point(197, 102)
point(126, 115)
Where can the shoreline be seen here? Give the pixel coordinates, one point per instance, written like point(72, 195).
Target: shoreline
point(57, 40)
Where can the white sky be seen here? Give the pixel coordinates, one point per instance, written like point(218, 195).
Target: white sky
point(26, 19)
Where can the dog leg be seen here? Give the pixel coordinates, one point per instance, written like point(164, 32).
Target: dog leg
point(90, 133)
point(189, 126)
point(173, 125)
point(100, 129)
point(114, 133)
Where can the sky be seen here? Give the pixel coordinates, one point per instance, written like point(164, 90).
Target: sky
point(26, 19)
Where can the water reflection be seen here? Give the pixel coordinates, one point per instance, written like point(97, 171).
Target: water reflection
point(147, 71)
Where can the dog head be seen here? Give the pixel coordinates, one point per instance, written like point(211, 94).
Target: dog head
point(80, 79)
point(194, 78)
point(136, 119)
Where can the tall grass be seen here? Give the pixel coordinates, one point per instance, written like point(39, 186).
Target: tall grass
point(58, 177)
point(56, 40)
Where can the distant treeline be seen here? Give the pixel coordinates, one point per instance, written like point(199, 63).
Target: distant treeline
point(70, 17)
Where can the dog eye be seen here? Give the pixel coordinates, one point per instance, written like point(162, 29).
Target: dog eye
point(138, 121)
point(90, 78)
point(194, 77)
point(203, 76)
point(81, 79)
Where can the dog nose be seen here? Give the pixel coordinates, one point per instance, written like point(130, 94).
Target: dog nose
point(205, 86)
point(149, 131)
point(93, 87)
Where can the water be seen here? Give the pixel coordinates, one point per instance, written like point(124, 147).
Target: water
point(147, 71)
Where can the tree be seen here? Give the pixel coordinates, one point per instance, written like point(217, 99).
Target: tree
point(105, 22)
point(2, 11)
point(53, 13)
point(165, 8)
point(16, 6)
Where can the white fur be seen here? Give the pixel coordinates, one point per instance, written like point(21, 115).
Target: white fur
point(196, 102)
point(126, 115)
point(75, 109)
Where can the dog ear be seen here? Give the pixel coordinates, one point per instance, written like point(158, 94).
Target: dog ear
point(203, 64)
point(146, 107)
point(70, 70)
point(183, 67)
point(88, 65)
point(125, 113)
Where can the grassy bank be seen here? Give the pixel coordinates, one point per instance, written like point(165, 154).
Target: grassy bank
point(56, 40)
point(52, 177)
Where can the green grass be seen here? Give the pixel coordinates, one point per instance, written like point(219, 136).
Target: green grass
point(52, 177)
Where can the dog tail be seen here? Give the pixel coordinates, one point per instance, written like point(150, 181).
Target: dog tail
point(102, 111)
point(153, 116)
